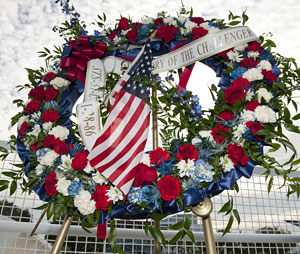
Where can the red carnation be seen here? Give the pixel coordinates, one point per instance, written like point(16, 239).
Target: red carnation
point(158, 155)
point(225, 116)
point(158, 21)
point(50, 183)
point(23, 129)
point(137, 24)
point(234, 93)
point(166, 32)
point(32, 106)
point(248, 63)
point(50, 141)
point(199, 32)
point(50, 94)
point(144, 175)
point(62, 147)
point(255, 127)
point(197, 20)
point(100, 197)
point(49, 76)
point(80, 160)
point(223, 54)
point(112, 35)
point(131, 35)
point(269, 75)
point(242, 82)
point(219, 138)
point(34, 147)
point(254, 46)
point(123, 24)
point(169, 187)
point(37, 93)
point(187, 152)
point(50, 116)
point(252, 105)
point(237, 154)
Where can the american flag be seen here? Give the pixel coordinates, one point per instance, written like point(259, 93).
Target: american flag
point(120, 146)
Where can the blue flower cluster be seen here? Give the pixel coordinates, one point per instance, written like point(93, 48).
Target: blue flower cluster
point(202, 172)
point(74, 188)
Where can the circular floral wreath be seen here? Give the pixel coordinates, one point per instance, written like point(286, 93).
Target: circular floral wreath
point(203, 153)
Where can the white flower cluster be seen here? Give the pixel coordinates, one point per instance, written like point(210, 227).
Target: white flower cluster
point(226, 163)
point(60, 132)
point(62, 186)
point(60, 83)
point(49, 158)
point(114, 194)
point(185, 167)
point(84, 203)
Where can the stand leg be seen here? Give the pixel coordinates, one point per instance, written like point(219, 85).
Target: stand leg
point(38, 222)
point(203, 209)
point(62, 235)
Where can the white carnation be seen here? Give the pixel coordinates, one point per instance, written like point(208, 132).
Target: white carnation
point(47, 126)
point(114, 194)
point(196, 140)
point(226, 163)
point(62, 186)
point(265, 65)
point(99, 178)
point(249, 95)
point(264, 93)
point(241, 47)
point(190, 25)
point(60, 83)
point(206, 134)
point(60, 132)
point(247, 116)
point(22, 119)
point(265, 114)
point(234, 56)
point(253, 74)
point(84, 203)
point(148, 20)
point(88, 169)
point(39, 169)
point(49, 158)
point(184, 167)
point(66, 162)
point(170, 21)
point(253, 54)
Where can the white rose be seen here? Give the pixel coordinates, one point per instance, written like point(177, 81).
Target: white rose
point(39, 169)
point(60, 132)
point(265, 114)
point(265, 65)
point(84, 203)
point(263, 93)
point(62, 186)
point(253, 74)
point(247, 116)
point(60, 83)
point(49, 158)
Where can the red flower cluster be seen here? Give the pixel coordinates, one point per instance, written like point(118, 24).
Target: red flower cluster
point(49, 76)
point(158, 21)
point(50, 94)
point(234, 93)
point(187, 152)
point(50, 182)
point(254, 46)
point(123, 24)
point(167, 33)
point(197, 20)
point(255, 127)
point(252, 105)
point(80, 160)
point(241, 82)
point(158, 155)
point(219, 138)
point(112, 35)
point(132, 34)
point(199, 32)
point(223, 54)
point(248, 63)
point(144, 175)
point(237, 154)
point(37, 93)
point(169, 187)
point(100, 198)
point(269, 75)
point(32, 106)
point(23, 129)
point(62, 147)
point(225, 116)
point(50, 116)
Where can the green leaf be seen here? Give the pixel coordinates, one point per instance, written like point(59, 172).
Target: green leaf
point(270, 184)
point(146, 227)
point(175, 238)
point(296, 162)
point(9, 174)
point(229, 225)
point(187, 223)
point(42, 207)
point(4, 184)
point(157, 216)
point(50, 210)
point(227, 207)
point(296, 117)
point(190, 235)
point(234, 23)
point(177, 226)
point(236, 215)
point(13, 187)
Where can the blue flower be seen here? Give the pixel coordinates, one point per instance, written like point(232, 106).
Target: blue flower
point(237, 73)
point(143, 31)
point(137, 195)
point(74, 188)
point(202, 172)
point(51, 105)
point(41, 152)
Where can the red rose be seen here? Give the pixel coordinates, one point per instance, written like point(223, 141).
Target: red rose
point(23, 129)
point(166, 32)
point(223, 54)
point(50, 183)
point(131, 35)
point(248, 63)
point(225, 116)
point(112, 35)
point(252, 105)
point(49, 76)
point(62, 148)
point(32, 106)
point(219, 138)
point(80, 160)
point(234, 93)
point(255, 127)
point(254, 46)
point(158, 21)
point(187, 152)
point(242, 82)
point(169, 187)
point(144, 175)
point(123, 24)
point(237, 154)
point(158, 155)
point(269, 75)
point(197, 20)
point(37, 93)
point(100, 197)
point(50, 141)
point(50, 116)
point(50, 94)
point(199, 32)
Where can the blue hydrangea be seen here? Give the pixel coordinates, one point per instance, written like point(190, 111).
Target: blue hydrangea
point(137, 195)
point(237, 73)
point(49, 105)
point(202, 172)
point(143, 31)
point(74, 188)
point(41, 152)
